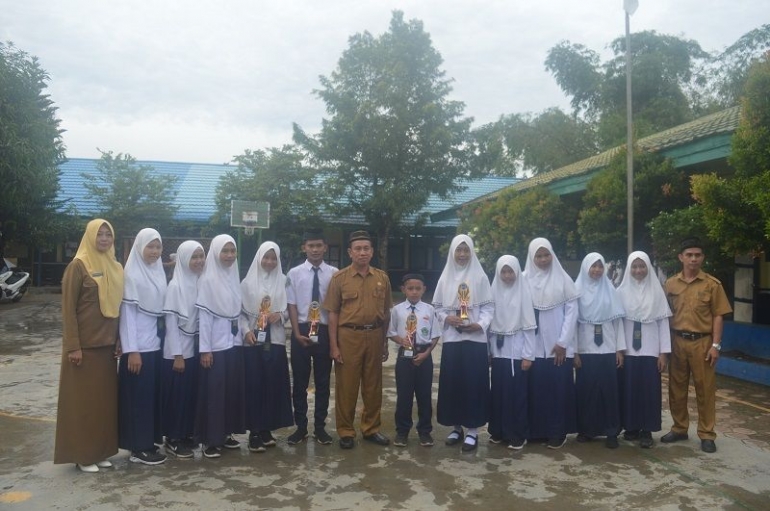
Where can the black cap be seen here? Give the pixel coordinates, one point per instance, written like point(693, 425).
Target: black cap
point(413, 276)
point(690, 243)
point(313, 234)
point(359, 235)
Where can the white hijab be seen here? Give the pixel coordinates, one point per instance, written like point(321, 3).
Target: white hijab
point(552, 287)
point(260, 283)
point(453, 275)
point(183, 289)
point(513, 303)
point(644, 301)
point(144, 284)
point(219, 288)
point(599, 301)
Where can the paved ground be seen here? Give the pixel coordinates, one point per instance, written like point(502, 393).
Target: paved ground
point(311, 476)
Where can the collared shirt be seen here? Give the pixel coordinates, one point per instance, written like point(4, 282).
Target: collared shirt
point(428, 326)
point(177, 342)
point(557, 326)
point(138, 331)
point(359, 299)
point(613, 338)
point(517, 346)
point(656, 338)
point(696, 303)
point(482, 315)
point(215, 333)
point(300, 288)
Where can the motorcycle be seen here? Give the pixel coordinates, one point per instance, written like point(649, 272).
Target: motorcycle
point(13, 282)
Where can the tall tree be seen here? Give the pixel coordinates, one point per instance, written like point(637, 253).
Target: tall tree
point(730, 69)
point(30, 149)
point(394, 136)
point(523, 143)
point(663, 75)
point(131, 196)
point(278, 176)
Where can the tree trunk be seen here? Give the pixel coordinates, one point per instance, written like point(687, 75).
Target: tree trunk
point(383, 236)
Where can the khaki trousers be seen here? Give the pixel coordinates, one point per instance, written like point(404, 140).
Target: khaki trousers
point(689, 357)
point(361, 368)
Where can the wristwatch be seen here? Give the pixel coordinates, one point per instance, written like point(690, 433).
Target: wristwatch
point(717, 346)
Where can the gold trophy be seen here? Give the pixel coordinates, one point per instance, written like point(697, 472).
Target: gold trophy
point(314, 318)
point(411, 336)
point(464, 297)
point(262, 324)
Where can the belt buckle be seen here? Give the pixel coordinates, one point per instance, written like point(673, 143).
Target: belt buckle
point(367, 327)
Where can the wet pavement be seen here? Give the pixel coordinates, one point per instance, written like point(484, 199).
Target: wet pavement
point(311, 476)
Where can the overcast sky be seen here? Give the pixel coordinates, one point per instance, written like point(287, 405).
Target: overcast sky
point(201, 81)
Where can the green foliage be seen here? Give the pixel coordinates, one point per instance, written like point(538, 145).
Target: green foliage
point(526, 143)
point(394, 137)
point(277, 176)
point(131, 196)
point(658, 187)
point(30, 150)
point(507, 224)
point(667, 231)
point(737, 209)
point(663, 80)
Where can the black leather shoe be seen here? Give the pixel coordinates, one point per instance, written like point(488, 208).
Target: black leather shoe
point(377, 438)
point(455, 437)
point(347, 442)
point(672, 437)
point(708, 446)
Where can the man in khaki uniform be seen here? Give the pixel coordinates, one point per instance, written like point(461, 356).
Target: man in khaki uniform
point(699, 303)
point(359, 303)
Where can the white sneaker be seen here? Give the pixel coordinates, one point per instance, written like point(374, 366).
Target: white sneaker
point(104, 464)
point(90, 469)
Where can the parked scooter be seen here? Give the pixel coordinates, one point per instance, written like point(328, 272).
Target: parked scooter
point(13, 282)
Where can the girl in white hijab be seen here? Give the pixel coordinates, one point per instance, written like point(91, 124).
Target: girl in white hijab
point(263, 314)
point(139, 388)
point(512, 348)
point(601, 342)
point(463, 389)
point(219, 305)
point(647, 347)
point(551, 385)
point(180, 364)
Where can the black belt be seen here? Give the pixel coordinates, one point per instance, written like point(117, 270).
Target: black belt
point(373, 326)
point(690, 336)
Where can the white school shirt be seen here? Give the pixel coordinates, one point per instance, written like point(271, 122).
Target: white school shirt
point(482, 315)
point(215, 332)
point(557, 326)
point(138, 331)
point(300, 289)
point(177, 342)
point(613, 338)
point(517, 346)
point(428, 326)
point(656, 338)
point(277, 329)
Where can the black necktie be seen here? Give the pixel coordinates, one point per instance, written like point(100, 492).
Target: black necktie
point(316, 296)
point(637, 342)
point(412, 308)
point(537, 320)
point(598, 335)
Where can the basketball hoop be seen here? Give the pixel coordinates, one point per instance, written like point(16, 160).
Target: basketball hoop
point(248, 231)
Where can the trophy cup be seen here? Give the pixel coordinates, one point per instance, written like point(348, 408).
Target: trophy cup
point(411, 336)
point(314, 318)
point(464, 297)
point(262, 325)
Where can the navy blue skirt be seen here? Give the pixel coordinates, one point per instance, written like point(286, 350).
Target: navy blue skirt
point(508, 418)
point(641, 394)
point(179, 392)
point(463, 385)
point(268, 389)
point(139, 418)
point(598, 400)
point(210, 406)
point(235, 411)
point(551, 399)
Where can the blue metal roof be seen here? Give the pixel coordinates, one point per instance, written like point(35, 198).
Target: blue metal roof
point(196, 185)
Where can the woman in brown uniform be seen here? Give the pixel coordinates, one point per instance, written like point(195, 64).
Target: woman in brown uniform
point(87, 416)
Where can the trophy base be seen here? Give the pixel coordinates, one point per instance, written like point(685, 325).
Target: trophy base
point(313, 339)
point(407, 353)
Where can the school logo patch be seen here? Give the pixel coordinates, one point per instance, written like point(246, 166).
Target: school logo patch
point(424, 331)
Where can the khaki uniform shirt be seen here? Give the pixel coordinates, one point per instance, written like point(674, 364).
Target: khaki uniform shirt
point(695, 304)
point(83, 324)
point(359, 300)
